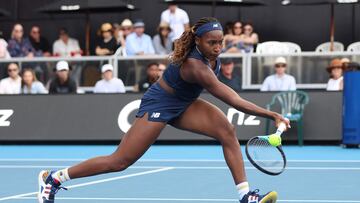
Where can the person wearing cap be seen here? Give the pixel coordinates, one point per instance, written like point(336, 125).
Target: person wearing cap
point(109, 83)
point(106, 44)
point(162, 42)
point(62, 83)
point(335, 69)
point(66, 46)
point(122, 31)
point(177, 18)
point(227, 75)
point(280, 81)
point(139, 43)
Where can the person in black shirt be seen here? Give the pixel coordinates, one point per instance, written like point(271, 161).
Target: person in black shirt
point(152, 75)
point(228, 76)
point(39, 42)
point(62, 83)
point(107, 44)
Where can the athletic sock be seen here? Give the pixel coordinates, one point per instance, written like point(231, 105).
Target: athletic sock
point(61, 175)
point(243, 189)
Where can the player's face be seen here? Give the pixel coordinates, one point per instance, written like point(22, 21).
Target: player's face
point(210, 44)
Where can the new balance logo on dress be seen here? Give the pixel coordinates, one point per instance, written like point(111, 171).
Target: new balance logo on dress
point(155, 115)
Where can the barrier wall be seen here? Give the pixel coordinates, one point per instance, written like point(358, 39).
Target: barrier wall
point(105, 117)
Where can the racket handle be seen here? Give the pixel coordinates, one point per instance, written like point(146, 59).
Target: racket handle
point(281, 129)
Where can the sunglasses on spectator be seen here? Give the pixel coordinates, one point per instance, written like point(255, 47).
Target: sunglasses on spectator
point(12, 70)
point(237, 27)
point(126, 28)
point(280, 65)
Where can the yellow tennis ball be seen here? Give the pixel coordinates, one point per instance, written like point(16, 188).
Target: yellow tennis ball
point(275, 140)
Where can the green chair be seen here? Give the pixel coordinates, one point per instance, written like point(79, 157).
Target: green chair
point(292, 105)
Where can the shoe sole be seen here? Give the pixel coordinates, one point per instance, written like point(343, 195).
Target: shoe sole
point(270, 198)
point(40, 181)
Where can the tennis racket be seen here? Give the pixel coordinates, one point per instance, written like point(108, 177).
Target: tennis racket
point(264, 156)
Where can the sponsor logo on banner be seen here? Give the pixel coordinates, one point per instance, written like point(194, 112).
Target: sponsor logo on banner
point(5, 114)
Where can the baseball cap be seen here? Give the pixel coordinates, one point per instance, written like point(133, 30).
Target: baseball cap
point(280, 60)
point(139, 23)
point(226, 61)
point(62, 65)
point(126, 23)
point(106, 67)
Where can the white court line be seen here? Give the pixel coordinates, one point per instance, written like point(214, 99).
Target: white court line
point(185, 160)
point(95, 182)
point(191, 199)
point(191, 167)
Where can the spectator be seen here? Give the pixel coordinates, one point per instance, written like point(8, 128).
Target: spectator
point(4, 53)
point(152, 75)
point(19, 46)
point(123, 31)
point(40, 43)
point(11, 84)
point(139, 43)
point(227, 75)
point(109, 84)
point(66, 46)
point(162, 42)
point(178, 20)
point(249, 37)
point(161, 69)
point(29, 83)
point(280, 81)
point(106, 45)
point(62, 83)
point(335, 69)
point(233, 42)
point(345, 61)
point(228, 28)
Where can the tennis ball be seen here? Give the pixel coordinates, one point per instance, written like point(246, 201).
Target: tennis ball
point(274, 140)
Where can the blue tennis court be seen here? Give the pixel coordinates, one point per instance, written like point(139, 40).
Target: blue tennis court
point(182, 174)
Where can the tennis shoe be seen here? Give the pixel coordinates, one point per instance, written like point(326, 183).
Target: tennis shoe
point(254, 197)
point(48, 187)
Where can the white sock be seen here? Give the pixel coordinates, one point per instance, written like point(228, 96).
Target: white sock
point(61, 175)
point(243, 189)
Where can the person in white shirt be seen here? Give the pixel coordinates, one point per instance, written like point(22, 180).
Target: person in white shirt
point(109, 84)
point(280, 81)
point(178, 20)
point(335, 70)
point(11, 84)
point(66, 46)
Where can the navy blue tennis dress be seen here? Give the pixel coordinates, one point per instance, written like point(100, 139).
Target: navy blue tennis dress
point(163, 106)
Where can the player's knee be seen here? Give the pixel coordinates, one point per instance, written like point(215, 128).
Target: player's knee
point(228, 134)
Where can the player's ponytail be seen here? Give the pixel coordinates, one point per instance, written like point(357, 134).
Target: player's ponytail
point(186, 42)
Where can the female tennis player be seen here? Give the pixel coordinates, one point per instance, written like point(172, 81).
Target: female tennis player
point(173, 100)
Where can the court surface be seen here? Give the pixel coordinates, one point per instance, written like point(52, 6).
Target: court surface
point(188, 174)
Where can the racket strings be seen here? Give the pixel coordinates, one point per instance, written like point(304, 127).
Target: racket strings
point(265, 155)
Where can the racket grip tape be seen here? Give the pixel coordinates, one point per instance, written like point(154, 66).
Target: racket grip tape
point(281, 128)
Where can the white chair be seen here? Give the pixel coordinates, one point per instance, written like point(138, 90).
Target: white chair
point(293, 47)
point(325, 47)
point(272, 47)
point(354, 47)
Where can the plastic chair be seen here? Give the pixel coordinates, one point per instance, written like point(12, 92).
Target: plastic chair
point(292, 47)
point(292, 105)
point(354, 47)
point(272, 47)
point(325, 47)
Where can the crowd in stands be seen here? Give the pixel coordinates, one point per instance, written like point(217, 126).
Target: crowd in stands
point(130, 37)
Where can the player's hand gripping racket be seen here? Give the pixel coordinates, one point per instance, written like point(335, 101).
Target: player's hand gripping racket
point(265, 152)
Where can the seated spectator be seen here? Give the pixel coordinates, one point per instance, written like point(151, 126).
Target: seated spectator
point(29, 83)
point(106, 44)
point(62, 83)
point(227, 75)
point(335, 69)
point(280, 81)
point(66, 46)
point(109, 84)
point(139, 43)
point(152, 75)
point(162, 42)
point(125, 28)
point(20, 46)
point(4, 53)
point(177, 18)
point(233, 43)
point(228, 28)
point(40, 43)
point(161, 69)
point(11, 84)
point(345, 61)
point(249, 37)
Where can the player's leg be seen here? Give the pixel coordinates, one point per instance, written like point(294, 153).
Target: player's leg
point(134, 144)
point(205, 118)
